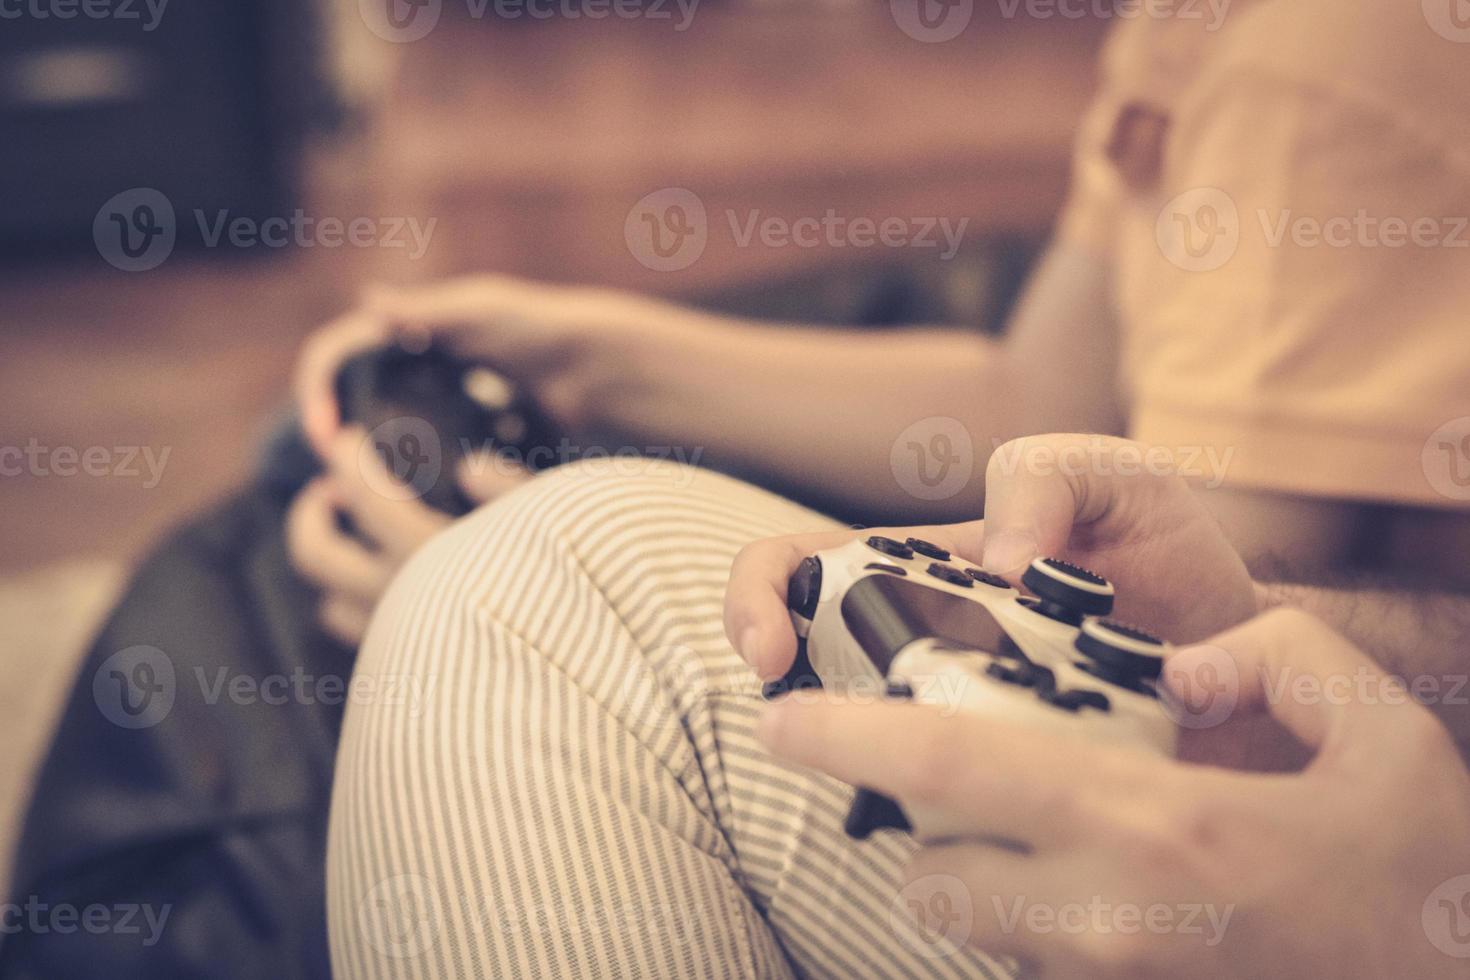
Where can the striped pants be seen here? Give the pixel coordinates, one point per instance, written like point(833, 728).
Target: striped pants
point(548, 766)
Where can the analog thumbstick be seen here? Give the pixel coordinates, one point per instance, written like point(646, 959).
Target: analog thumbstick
point(1067, 592)
point(1119, 653)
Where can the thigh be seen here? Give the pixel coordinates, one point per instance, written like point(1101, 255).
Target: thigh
point(568, 782)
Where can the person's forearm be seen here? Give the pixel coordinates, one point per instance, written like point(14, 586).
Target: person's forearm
point(896, 423)
point(1423, 639)
point(816, 407)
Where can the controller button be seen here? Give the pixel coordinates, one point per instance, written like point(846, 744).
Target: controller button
point(1078, 698)
point(985, 578)
point(878, 566)
point(899, 691)
point(895, 549)
point(1010, 675)
point(928, 550)
point(952, 575)
point(1024, 674)
point(804, 590)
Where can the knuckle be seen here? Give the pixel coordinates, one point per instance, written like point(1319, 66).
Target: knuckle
point(1289, 621)
point(942, 761)
point(1164, 838)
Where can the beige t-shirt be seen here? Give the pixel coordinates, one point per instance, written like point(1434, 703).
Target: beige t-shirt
point(1286, 200)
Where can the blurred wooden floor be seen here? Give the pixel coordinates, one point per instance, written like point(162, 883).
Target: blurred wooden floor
point(529, 143)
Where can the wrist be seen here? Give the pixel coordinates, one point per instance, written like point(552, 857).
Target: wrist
point(619, 364)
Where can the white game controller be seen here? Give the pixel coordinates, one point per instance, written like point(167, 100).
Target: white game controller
point(905, 620)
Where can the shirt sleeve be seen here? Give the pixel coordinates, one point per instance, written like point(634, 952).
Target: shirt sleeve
point(1296, 293)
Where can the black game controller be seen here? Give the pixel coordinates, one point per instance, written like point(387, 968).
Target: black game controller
point(426, 410)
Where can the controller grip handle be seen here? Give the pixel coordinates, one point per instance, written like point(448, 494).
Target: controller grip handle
point(872, 811)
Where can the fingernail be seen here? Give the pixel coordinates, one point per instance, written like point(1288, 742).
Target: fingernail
point(1009, 551)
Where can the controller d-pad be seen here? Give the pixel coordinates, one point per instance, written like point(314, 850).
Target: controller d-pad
point(928, 550)
point(1078, 698)
point(985, 578)
point(888, 546)
point(952, 575)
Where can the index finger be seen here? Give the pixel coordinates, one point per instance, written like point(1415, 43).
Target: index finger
point(1315, 682)
point(984, 778)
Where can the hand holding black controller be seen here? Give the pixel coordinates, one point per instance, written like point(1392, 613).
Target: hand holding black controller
point(426, 410)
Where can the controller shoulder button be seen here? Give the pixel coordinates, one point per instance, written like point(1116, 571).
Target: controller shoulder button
point(890, 547)
point(804, 590)
point(952, 575)
point(927, 549)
